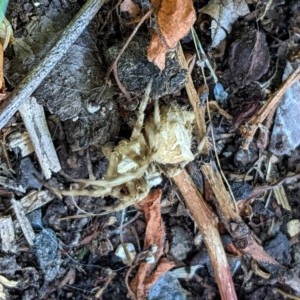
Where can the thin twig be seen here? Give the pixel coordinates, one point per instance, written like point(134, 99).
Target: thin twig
point(248, 131)
point(113, 65)
point(31, 82)
point(120, 85)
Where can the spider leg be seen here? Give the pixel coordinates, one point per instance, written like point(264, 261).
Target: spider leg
point(113, 182)
point(141, 116)
point(156, 120)
point(92, 192)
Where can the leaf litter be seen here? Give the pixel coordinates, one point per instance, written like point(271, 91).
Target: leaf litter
point(142, 154)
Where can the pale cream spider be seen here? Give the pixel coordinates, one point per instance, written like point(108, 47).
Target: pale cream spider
point(164, 138)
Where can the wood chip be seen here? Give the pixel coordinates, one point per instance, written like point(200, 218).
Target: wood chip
point(23, 221)
point(7, 234)
point(35, 200)
point(35, 121)
point(11, 184)
point(21, 141)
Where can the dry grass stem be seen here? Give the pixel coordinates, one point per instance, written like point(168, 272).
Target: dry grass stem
point(194, 100)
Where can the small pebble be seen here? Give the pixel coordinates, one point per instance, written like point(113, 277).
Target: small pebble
point(293, 227)
point(121, 253)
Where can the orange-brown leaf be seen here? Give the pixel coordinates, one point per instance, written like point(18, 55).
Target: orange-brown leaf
point(157, 51)
point(154, 236)
point(175, 18)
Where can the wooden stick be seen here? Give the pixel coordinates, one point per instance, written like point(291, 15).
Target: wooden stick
point(248, 131)
point(207, 223)
point(30, 83)
point(200, 125)
point(243, 239)
point(234, 224)
point(7, 234)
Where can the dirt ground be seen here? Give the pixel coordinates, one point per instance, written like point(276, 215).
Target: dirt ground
point(159, 158)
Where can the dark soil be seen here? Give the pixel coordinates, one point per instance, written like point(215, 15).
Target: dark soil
point(74, 258)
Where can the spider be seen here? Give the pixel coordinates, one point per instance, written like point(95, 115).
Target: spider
point(163, 138)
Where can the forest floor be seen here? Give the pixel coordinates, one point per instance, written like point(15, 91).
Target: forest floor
point(150, 150)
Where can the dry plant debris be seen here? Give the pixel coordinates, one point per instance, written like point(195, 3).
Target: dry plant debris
point(248, 131)
point(207, 223)
point(285, 134)
point(31, 82)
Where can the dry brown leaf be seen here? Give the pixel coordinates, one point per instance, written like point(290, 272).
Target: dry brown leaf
point(174, 19)
point(130, 7)
point(154, 236)
point(224, 14)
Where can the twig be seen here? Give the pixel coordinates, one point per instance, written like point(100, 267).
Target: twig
point(248, 131)
point(261, 189)
point(36, 199)
point(207, 224)
point(120, 85)
point(31, 82)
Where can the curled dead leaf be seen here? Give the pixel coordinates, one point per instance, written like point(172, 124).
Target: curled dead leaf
point(174, 19)
point(224, 14)
point(249, 58)
point(149, 272)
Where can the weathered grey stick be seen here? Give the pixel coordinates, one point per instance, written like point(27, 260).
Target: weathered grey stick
point(35, 122)
point(23, 221)
point(31, 82)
